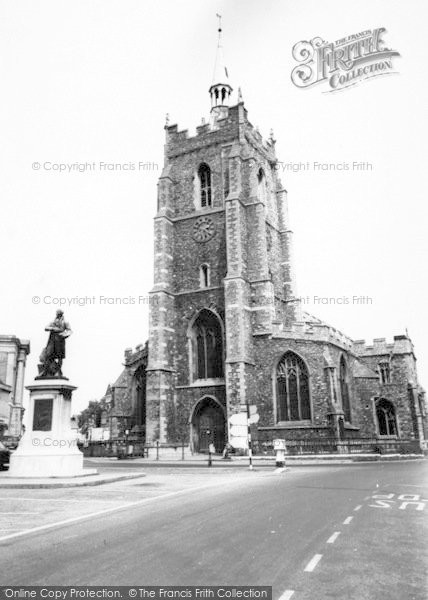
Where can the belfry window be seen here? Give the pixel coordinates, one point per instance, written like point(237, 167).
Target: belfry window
point(207, 346)
point(386, 419)
point(344, 390)
point(261, 186)
point(204, 174)
point(385, 372)
point(292, 386)
point(204, 276)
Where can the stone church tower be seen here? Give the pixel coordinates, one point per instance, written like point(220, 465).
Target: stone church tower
point(225, 328)
point(222, 267)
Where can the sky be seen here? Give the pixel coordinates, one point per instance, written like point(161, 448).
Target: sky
point(90, 82)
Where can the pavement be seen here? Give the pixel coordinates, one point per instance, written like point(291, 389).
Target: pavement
point(354, 532)
point(90, 479)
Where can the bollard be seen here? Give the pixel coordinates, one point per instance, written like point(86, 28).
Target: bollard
point(157, 450)
point(280, 451)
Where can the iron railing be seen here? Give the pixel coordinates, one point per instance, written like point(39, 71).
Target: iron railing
point(346, 446)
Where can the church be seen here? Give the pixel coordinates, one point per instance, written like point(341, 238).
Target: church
point(227, 334)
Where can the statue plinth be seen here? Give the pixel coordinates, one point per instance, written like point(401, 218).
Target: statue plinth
point(49, 446)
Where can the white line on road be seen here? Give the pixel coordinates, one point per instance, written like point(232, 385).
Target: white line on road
point(347, 520)
point(286, 595)
point(313, 563)
point(357, 507)
point(333, 537)
point(19, 513)
point(367, 498)
point(106, 511)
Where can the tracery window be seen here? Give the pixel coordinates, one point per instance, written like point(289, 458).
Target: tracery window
point(344, 390)
point(386, 418)
point(292, 381)
point(207, 346)
point(204, 174)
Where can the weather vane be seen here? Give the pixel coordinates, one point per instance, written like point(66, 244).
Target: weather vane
point(219, 22)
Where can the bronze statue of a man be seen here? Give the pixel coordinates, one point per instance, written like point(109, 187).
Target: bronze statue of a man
point(52, 356)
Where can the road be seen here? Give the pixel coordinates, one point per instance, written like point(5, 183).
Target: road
point(313, 533)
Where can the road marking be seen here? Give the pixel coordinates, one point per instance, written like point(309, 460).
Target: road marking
point(22, 499)
point(286, 595)
point(333, 537)
point(367, 498)
point(106, 511)
point(19, 513)
point(347, 520)
point(357, 507)
point(313, 563)
point(419, 505)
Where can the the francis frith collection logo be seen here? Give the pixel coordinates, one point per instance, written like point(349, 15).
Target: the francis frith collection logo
point(343, 63)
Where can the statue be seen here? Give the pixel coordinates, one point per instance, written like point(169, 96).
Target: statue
point(52, 356)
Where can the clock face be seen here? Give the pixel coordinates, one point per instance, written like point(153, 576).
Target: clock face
point(203, 229)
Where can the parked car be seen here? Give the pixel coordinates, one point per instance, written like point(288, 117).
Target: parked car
point(4, 456)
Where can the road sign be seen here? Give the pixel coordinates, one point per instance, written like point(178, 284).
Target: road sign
point(279, 444)
point(238, 431)
point(254, 419)
point(238, 419)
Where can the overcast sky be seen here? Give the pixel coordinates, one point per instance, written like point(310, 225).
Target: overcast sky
point(91, 82)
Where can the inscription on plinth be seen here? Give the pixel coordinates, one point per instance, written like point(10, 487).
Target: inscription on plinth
point(42, 419)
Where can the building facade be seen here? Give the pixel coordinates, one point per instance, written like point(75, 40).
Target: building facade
point(123, 406)
point(226, 330)
point(13, 355)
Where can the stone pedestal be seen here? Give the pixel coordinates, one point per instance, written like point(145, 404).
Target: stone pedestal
point(49, 446)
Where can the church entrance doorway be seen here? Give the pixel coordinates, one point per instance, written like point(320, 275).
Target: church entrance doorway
point(208, 426)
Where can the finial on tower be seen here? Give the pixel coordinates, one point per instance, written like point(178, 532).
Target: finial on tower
point(220, 89)
point(240, 95)
point(166, 119)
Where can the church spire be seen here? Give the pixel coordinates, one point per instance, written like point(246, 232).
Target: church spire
point(220, 89)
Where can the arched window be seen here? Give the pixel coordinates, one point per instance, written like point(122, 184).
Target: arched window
point(384, 372)
point(386, 419)
point(261, 186)
point(204, 276)
point(139, 397)
point(207, 346)
point(204, 174)
point(226, 182)
point(292, 381)
point(344, 390)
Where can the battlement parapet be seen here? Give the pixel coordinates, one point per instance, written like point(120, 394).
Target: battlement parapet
point(224, 130)
point(402, 344)
point(319, 332)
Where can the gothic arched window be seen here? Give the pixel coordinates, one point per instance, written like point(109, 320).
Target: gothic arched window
point(386, 419)
point(385, 372)
point(261, 186)
point(204, 276)
point(292, 385)
point(204, 174)
point(207, 346)
point(344, 390)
